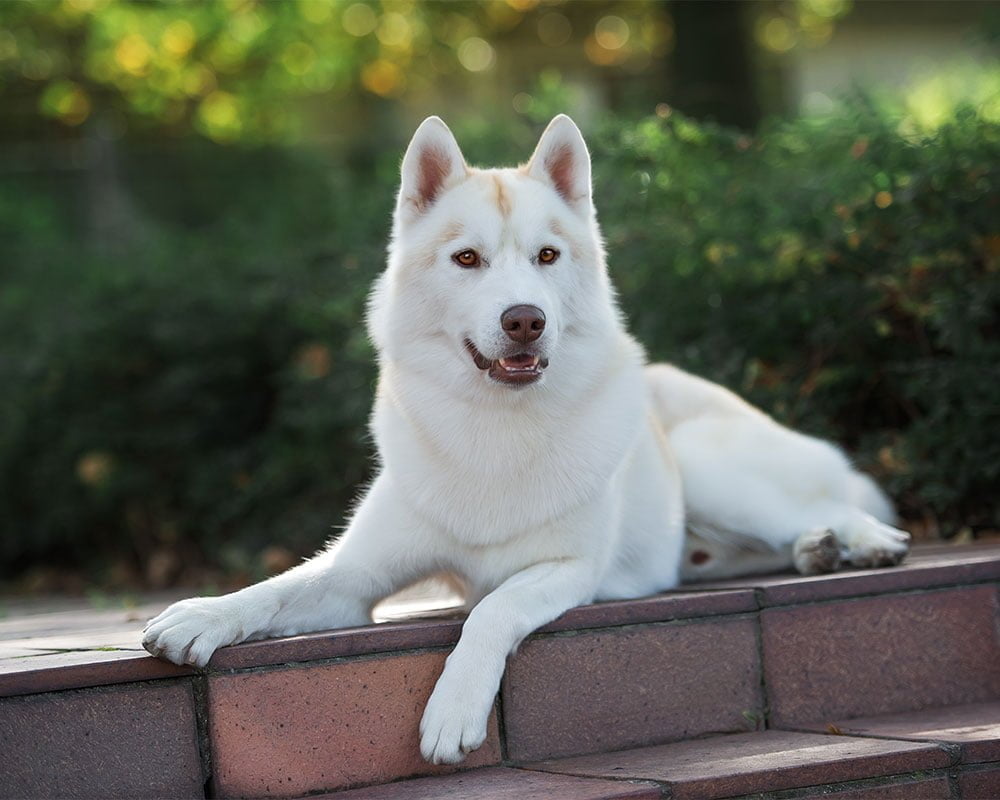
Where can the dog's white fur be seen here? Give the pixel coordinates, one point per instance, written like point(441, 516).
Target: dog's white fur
point(575, 488)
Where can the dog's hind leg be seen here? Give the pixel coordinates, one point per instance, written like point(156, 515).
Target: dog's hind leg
point(793, 493)
point(711, 561)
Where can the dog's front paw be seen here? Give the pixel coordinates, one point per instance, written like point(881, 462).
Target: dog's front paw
point(189, 631)
point(452, 726)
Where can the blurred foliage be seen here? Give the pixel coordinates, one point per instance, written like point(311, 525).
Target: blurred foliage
point(257, 71)
point(842, 272)
point(234, 70)
point(204, 390)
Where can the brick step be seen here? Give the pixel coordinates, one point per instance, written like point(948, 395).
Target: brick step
point(774, 763)
point(338, 710)
point(504, 783)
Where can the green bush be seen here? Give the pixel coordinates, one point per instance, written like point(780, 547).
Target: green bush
point(841, 274)
point(205, 389)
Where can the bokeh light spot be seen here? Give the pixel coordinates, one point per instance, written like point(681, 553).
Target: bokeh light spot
point(658, 36)
point(314, 361)
point(776, 34)
point(611, 32)
point(359, 19)
point(220, 114)
point(826, 8)
point(381, 77)
point(178, 38)
point(522, 102)
point(66, 100)
point(554, 29)
point(316, 11)
point(133, 54)
point(198, 79)
point(600, 55)
point(476, 54)
point(298, 58)
point(84, 6)
point(94, 468)
point(37, 65)
point(8, 45)
point(394, 30)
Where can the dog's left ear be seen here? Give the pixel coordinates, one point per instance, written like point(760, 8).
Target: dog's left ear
point(433, 163)
point(561, 159)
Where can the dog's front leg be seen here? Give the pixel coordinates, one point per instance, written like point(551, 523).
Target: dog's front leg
point(378, 554)
point(454, 722)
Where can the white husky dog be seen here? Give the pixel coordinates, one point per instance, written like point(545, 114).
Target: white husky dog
point(528, 450)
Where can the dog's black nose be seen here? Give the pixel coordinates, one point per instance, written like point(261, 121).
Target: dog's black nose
point(523, 323)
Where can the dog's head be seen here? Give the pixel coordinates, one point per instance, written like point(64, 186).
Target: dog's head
point(495, 276)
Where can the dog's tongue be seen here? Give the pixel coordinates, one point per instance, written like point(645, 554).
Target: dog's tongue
point(520, 361)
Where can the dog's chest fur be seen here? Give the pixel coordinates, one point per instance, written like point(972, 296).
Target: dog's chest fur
point(488, 472)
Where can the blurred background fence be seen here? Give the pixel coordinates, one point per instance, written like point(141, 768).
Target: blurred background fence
point(800, 200)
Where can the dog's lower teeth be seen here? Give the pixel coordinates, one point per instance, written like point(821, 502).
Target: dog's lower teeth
point(519, 367)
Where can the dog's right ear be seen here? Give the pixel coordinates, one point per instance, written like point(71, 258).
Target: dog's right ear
point(432, 163)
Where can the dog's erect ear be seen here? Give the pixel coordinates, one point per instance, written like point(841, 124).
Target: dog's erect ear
point(561, 158)
point(432, 162)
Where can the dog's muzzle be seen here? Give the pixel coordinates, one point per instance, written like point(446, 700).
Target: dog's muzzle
point(516, 369)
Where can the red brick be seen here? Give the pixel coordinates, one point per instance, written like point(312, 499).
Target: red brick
point(383, 638)
point(925, 568)
point(288, 732)
point(77, 670)
point(929, 789)
point(502, 783)
point(980, 784)
point(126, 741)
point(975, 727)
point(392, 636)
point(879, 655)
point(658, 608)
point(618, 688)
point(746, 763)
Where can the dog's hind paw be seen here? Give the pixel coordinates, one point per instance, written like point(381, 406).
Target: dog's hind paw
point(875, 544)
point(817, 552)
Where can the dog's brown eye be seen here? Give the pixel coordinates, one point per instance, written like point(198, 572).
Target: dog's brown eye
point(547, 255)
point(466, 258)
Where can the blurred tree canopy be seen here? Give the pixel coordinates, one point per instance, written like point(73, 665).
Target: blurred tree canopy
point(232, 70)
point(236, 70)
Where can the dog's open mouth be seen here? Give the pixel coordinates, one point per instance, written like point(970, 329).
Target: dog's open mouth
point(518, 369)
